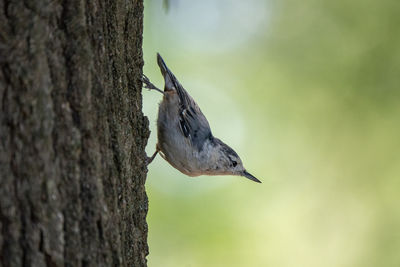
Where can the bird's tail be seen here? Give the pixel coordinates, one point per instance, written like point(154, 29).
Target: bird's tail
point(169, 77)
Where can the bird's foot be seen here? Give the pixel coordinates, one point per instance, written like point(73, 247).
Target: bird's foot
point(150, 159)
point(149, 85)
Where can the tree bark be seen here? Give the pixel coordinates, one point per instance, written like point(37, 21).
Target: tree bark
point(72, 134)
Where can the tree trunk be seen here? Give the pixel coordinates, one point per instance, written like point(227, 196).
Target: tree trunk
point(72, 134)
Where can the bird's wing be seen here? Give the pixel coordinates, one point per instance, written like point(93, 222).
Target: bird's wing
point(193, 123)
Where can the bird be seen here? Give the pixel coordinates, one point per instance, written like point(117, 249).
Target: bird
point(184, 135)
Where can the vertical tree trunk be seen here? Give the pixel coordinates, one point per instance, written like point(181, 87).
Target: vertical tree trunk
point(72, 133)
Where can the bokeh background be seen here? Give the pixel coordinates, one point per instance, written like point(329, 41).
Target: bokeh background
point(307, 92)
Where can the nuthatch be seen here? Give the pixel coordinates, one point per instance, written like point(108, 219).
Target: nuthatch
point(184, 135)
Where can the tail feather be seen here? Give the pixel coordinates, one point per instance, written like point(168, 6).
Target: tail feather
point(169, 77)
point(163, 67)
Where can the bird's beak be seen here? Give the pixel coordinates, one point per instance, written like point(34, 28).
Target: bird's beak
point(251, 177)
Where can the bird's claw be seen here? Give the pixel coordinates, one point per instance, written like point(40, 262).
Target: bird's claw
point(149, 85)
point(150, 159)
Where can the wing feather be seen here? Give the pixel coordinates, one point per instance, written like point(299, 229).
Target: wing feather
point(194, 124)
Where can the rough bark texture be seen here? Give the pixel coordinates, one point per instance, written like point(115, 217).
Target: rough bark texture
point(72, 133)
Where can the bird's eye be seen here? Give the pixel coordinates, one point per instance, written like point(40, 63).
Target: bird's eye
point(234, 163)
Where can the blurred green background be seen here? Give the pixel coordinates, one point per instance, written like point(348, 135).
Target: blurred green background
point(307, 92)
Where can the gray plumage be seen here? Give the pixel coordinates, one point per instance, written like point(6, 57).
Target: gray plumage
point(185, 139)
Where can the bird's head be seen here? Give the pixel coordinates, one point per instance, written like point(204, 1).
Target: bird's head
point(228, 162)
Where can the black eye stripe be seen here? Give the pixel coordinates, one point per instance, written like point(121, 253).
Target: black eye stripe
point(234, 163)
